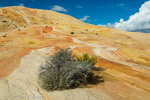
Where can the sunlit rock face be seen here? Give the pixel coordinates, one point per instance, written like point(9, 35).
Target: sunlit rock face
point(28, 36)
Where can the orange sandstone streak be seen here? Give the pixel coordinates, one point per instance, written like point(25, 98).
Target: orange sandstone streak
point(10, 64)
point(84, 50)
point(122, 58)
point(47, 29)
point(121, 91)
point(121, 68)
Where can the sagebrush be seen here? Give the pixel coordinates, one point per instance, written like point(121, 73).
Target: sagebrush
point(64, 70)
point(71, 32)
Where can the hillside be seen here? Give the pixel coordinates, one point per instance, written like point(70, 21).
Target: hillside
point(28, 36)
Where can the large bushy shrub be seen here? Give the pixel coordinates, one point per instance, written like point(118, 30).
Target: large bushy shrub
point(64, 70)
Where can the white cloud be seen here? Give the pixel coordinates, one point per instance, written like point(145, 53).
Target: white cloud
point(84, 18)
point(108, 25)
point(102, 25)
point(59, 8)
point(121, 20)
point(139, 22)
point(21, 5)
point(79, 6)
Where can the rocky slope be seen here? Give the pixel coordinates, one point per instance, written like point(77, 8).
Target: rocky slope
point(28, 36)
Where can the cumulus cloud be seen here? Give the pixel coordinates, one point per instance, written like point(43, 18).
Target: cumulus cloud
point(59, 8)
point(84, 18)
point(139, 22)
point(121, 20)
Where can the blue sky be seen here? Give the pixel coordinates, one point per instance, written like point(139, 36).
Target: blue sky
point(97, 12)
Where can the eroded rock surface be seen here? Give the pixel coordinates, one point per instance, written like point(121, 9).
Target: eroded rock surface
point(40, 33)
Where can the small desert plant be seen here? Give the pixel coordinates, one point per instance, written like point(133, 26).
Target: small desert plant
point(85, 57)
point(72, 33)
point(63, 71)
point(5, 35)
point(4, 21)
point(91, 60)
point(31, 42)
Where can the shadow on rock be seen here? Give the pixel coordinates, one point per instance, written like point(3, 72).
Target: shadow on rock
point(95, 77)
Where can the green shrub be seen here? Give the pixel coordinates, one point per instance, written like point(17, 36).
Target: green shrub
point(72, 33)
point(31, 42)
point(5, 35)
point(64, 70)
point(85, 57)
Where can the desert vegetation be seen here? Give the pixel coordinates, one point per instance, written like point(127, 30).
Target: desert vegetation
point(71, 32)
point(63, 70)
point(5, 35)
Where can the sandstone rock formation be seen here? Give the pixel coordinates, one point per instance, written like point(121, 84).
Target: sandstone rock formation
point(28, 36)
